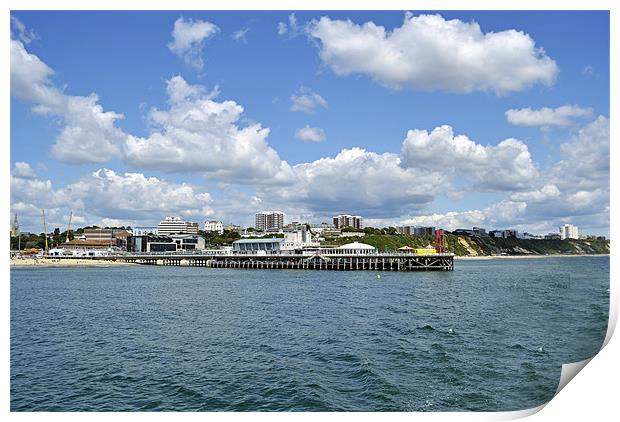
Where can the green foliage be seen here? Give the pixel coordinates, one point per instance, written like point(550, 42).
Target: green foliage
point(482, 246)
point(215, 239)
point(385, 242)
point(351, 229)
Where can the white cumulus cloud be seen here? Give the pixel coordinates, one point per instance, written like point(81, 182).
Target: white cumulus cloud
point(198, 133)
point(106, 194)
point(307, 101)
point(504, 214)
point(505, 166)
point(561, 116)
point(292, 29)
point(89, 134)
point(430, 53)
point(23, 171)
point(188, 37)
point(357, 180)
point(20, 32)
point(311, 134)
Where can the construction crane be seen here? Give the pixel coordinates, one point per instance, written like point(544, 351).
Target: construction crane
point(44, 229)
point(69, 226)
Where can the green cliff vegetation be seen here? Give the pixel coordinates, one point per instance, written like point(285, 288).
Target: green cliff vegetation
point(473, 246)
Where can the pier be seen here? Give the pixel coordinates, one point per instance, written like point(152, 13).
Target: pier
point(283, 261)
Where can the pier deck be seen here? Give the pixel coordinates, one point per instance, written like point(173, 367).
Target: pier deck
point(368, 262)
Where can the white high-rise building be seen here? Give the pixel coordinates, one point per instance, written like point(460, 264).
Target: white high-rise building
point(214, 226)
point(269, 220)
point(568, 231)
point(171, 225)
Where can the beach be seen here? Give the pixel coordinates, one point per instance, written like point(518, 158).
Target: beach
point(65, 262)
point(482, 257)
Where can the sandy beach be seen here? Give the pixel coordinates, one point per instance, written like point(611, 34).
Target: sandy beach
point(484, 257)
point(70, 262)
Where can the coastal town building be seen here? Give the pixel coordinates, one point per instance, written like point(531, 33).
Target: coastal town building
point(192, 228)
point(298, 239)
point(188, 241)
point(110, 237)
point(97, 234)
point(504, 233)
point(269, 220)
point(264, 245)
point(463, 232)
point(171, 225)
point(424, 231)
point(292, 240)
point(170, 243)
point(480, 231)
point(352, 234)
point(143, 230)
point(345, 220)
point(408, 230)
point(214, 226)
point(151, 243)
point(568, 231)
point(233, 228)
point(416, 230)
point(355, 248)
point(84, 248)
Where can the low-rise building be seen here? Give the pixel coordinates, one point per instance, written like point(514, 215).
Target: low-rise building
point(298, 239)
point(171, 243)
point(97, 234)
point(356, 248)
point(214, 226)
point(233, 228)
point(151, 243)
point(188, 241)
point(83, 247)
point(192, 228)
point(504, 233)
point(407, 230)
point(424, 231)
point(463, 232)
point(264, 245)
point(144, 230)
point(480, 231)
point(352, 234)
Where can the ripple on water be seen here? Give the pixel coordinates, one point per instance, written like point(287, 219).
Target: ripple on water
point(488, 336)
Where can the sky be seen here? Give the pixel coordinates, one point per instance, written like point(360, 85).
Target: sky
point(452, 119)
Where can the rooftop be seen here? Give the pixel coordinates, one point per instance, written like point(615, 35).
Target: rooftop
point(262, 240)
point(357, 245)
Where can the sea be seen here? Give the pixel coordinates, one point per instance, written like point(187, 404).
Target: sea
point(491, 335)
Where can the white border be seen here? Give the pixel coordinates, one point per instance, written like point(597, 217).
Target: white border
point(591, 395)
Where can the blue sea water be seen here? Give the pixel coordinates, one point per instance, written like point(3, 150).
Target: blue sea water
point(491, 335)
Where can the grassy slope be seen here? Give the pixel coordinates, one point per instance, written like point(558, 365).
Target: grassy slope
point(484, 246)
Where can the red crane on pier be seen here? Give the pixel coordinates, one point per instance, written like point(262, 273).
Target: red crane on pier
point(440, 245)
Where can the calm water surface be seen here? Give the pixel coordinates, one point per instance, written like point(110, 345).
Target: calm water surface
point(492, 335)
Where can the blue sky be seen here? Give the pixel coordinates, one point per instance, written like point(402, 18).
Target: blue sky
point(364, 88)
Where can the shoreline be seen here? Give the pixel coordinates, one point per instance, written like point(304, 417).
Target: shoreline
point(532, 256)
point(64, 263)
point(85, 263)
